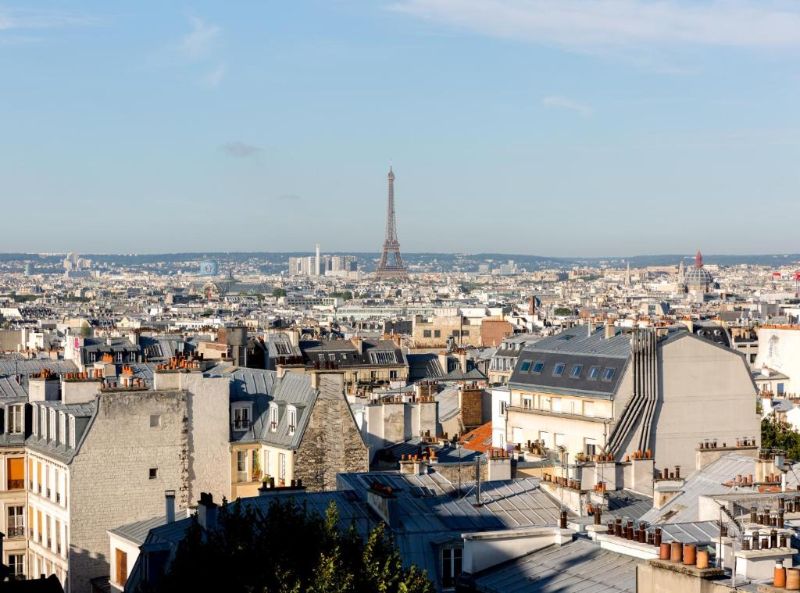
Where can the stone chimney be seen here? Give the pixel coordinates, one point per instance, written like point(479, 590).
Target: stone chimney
point(207, 511)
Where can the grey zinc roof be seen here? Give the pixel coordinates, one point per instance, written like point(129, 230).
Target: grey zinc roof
point(137, 531)
point(699, 532)
point(15, 365)
point(448, 404)
point(575, 346)
point(576, 340)
point(577, 567)
point(11, 390)
point(628, 504)
point(710, 480)
point(432, 511)
point(264, 388)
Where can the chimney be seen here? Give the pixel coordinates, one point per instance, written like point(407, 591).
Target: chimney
point(610, 330)
point(169, 500)
point(207, 511)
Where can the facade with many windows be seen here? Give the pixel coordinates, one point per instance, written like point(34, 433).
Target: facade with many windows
point(588, 390)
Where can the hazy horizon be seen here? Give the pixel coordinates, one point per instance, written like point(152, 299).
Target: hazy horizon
point(513, 126)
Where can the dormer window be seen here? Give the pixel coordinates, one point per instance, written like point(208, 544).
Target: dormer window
point(241, 417)
point(52, 434)
point(62, 428)
point(291, 413)
point(273, 417)
point(16, 419)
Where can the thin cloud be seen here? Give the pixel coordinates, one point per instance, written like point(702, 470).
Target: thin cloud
point(214, 77)
point(615, 24)
point(556, 102)
point(27, 19)
point(200, 40)
point(240, 150)
point(289, 198)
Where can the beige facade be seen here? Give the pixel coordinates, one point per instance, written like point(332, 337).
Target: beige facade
point(436, 331)
point(703, 391)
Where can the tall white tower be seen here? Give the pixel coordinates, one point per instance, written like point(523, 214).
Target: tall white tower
point(317, 262)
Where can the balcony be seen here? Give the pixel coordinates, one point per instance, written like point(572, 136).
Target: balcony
point(16, 532)
point(567, 415)
point(16, 484)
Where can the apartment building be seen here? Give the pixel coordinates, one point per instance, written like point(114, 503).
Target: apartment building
point(12, 476)
point(365, 363)
point(101, 454)
point(586, 391)
point(294, 427)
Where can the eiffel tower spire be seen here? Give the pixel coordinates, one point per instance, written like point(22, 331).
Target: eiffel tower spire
point(391, 264)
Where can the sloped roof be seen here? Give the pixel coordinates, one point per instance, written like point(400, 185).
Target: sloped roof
point(576, 567)
point(712, 479)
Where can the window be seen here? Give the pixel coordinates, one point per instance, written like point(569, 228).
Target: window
point(15, 526)
point(608, 374)
point(558, 370)
point(560, 440)
point(780, 389)
point(437, 333)
point(527, 403)
point(15, 471)
point(426, 333)
point(241, 466)
point(575, 373)
point(16, 420)
point(16, 564)
point(451, 566)
point(537, 367)
point(594, 372)
point(155, 420)
point(465, 333)
point(503, 406)
point(525, 366)
point(590, 447)
point(292, 419)
point(273, 417)
point(153, 473)
point(241, 418)
point(122, 567)
point(382, 357)
point(555, 404)
point(455, 333)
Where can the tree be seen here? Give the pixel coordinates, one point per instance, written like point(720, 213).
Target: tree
point(287, 549)
point(278, 292)
point(562, 311)
point(776, 434)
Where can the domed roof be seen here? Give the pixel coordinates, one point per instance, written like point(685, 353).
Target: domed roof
point(699, 277)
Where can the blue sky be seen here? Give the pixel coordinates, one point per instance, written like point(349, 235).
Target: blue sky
point(553, 127)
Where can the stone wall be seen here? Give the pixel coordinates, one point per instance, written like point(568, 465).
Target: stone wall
point(331, 443)
point(110, 476)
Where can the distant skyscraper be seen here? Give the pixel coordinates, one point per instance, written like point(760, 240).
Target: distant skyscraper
point(317, 262)
point(391, 264)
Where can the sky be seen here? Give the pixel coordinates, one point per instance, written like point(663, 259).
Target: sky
point(548, 127)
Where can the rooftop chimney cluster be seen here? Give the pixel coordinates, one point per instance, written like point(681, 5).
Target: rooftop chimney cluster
point(180, 363)
point(686, 554)
point(786, 578)
point(93, 375)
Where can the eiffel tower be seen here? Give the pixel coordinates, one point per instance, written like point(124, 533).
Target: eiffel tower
point(391, 265)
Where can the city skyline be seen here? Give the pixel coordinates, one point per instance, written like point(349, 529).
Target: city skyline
point(255, 128)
